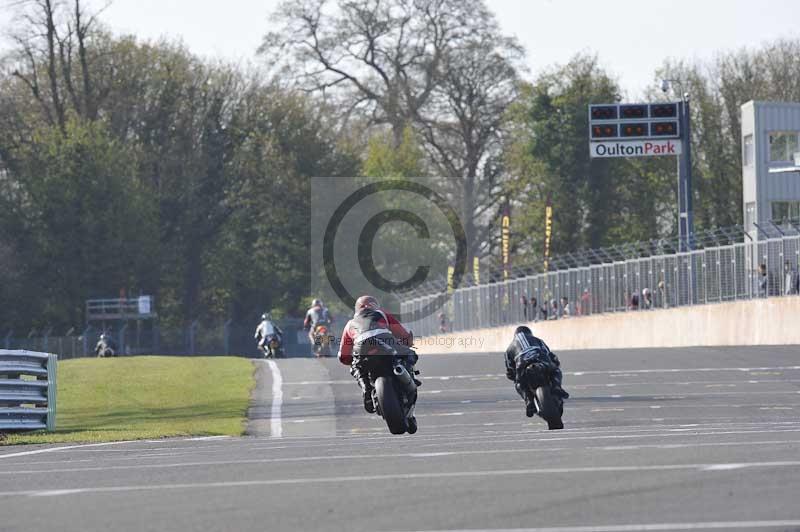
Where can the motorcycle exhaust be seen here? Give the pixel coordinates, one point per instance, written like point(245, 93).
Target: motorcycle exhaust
point(405, 379)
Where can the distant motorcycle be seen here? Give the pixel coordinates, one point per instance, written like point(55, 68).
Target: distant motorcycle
point(272, 346)
point(105, 347)
point(394, 388)
point(322, 341)
point(537, 377)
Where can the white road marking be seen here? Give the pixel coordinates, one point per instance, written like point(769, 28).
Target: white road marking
point(693, 445)
point(644, 527)
point(275, 426)
point(677, 370)
point(432, 454)
point(617, 373)
point(396, 476)
point(537, 435)
point(64, 448)
point(724, 467)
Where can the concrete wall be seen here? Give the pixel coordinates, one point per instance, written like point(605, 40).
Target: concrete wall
point(773, 321)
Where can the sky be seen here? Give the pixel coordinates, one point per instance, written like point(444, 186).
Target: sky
point(631, 37)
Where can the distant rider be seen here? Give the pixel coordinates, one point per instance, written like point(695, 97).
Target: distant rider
point(105, 346)
point(525, 342)
point(264, 330)
point(369, 325)
point(318, 314)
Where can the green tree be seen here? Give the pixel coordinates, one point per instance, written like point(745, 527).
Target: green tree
point(596, 202)
point(384, 159)
point(82, 224)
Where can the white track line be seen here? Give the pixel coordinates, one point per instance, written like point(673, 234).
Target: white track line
point(275, 425)
point(705, 468)
point(64, 448)
point(651, 527)
point(618, 372)
point(395, 456)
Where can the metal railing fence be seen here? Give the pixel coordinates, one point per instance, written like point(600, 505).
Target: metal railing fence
point(715, 274)
point(137, 338)
point(27, 390)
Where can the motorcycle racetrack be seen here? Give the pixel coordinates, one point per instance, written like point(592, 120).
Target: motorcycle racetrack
point(670, 439)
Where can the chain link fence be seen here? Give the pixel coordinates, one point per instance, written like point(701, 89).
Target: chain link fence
point(765, 268)
point(137, 338)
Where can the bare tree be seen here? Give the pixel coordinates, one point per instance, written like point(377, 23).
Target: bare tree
point(440, 66)
point(51, 38)
point(466, 122)
point(382, 58)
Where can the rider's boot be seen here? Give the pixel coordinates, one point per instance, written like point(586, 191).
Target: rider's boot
point(557, 389)
point(366, 393)
point(530, 407)
point(561, 392)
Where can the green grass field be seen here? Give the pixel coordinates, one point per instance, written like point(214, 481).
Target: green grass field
point(108, 399)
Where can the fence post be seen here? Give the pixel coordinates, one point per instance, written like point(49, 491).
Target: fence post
point(46, 338)
point(52, 367)
point(192, 330)
point(122, 333)
point(86, 334)
point(226, 336)
point(69, 334)
point(156, 339)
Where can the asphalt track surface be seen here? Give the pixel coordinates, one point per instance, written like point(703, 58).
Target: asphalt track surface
point(690, 439)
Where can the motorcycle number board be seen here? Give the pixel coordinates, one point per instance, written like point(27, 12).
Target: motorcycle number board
point(634, 148)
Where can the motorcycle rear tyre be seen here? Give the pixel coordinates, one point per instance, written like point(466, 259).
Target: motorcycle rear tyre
point(389, 405)
point(548, 408)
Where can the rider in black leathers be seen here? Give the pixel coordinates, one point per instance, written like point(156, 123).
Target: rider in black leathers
point(524, 342)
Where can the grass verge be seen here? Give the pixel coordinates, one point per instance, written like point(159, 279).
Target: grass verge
point(128, 398)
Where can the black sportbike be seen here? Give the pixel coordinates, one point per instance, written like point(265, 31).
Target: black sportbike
point(394, 389)
point(537, 377)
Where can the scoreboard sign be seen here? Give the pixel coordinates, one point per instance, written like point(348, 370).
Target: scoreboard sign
point(634, 130)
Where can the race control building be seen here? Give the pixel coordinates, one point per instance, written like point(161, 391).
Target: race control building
point(770, 168)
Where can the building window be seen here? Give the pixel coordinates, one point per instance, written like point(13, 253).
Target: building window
point(747, 150)
point(783, 145)
point(784, 211)
point(749, 216)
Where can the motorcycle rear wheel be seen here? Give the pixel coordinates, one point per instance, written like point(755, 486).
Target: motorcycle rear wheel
point(548, 408)
point(389, 405)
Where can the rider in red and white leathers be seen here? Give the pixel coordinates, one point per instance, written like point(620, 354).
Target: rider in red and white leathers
point(370, 322)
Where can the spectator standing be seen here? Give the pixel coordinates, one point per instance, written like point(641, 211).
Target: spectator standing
point(523, 301)
point(534, 308)
point(647, 299)
point(662, 293)
point(442, 322)
point(790, 279)
point(634, 302)
point(555, 311)
point(566, 309)
point(762, 280)
point(586, 302)
point(543, 310)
